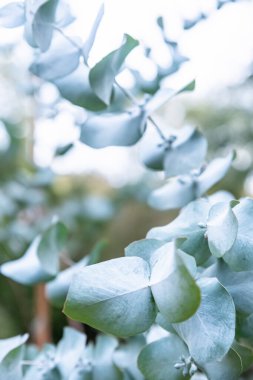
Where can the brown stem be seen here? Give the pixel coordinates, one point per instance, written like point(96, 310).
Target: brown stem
point(41, 329)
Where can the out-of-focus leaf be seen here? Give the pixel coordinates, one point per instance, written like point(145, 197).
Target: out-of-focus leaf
point(222, 228)
point(63, 15)
point(103, 74)
point(125, 356)
point(41, 261)
point(175, 291)
point(92, 35)
point(157, 360)
point(40, 16)
point(69, 351)
point(245, 353)
point(11, 354)
point(240, 257)
point(229, 368)
point(113, 296)
point(163, 95)
point(63, 149)
point(122, 129)
point(103, 366)
point(61, 59)
point(12, 15)
point(181, 190)
point(75, 87)
point(210, 332)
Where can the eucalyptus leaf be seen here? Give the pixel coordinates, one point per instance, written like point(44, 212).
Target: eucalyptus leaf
point(60, 60)
point(238, 284)
point(92, 35)
point(103, 365)
point(163, 95)
point(113, 296)
point(222, 227)
point(125, 356)
point(11, 354)
point(210, 332)
point(40, 263)
point(69, 351)
point(157, 360)
point(182, 158)
point(229, 368)
point(42, 24)
point(175, 292)
point(12, 15)
point(123, 129)
point(245, 353)
point(144, 248)
point(103, 74)
point(240, 256)
point(75, 87)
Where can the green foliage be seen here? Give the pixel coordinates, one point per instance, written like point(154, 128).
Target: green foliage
point(193, 276)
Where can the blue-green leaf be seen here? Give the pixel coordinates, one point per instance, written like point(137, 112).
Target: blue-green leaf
point(60, 60)
point(123, 129)
point(75, 87)
point(229, 368)
point(175, 292)
point(210, 332)
point(113, 296)
point(157, 360)
point(222, 227)
point(144, 248)
point(92, 35)
point(12, 15)
point(240, 257)
point(11, 354)
point(103, 74)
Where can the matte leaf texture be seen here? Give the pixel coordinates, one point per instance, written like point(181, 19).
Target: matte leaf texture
point(49, 370)
point(238, 284)
point(113, 297)
point(11, 354)
point(103, 365)
point(229, 368)
point(75, 87)
point(12, 15)
point(182, 151)
point(123, 129)
point(144, 248)
point(190, 224)
point(222, 227)
point(175, 292)
point(40, 263)
point(57, 289)
point(92, 35)
point(240, 256)
point(40, 16)
point(163, 95)
point(69, 350)
point(61, 59)
point(209, 333)
point(157, 360)
point(245, 353)
point(125, 356)
point(102, 75)
point(179, 191)
point(185, 156)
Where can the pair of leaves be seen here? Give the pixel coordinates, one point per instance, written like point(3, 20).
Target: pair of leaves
point(183, 151)
point(180, 191)
point(207, 337)
point(120, 296)
point(41, 261)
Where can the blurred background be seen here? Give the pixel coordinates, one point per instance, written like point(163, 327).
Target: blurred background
point(101, 194)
